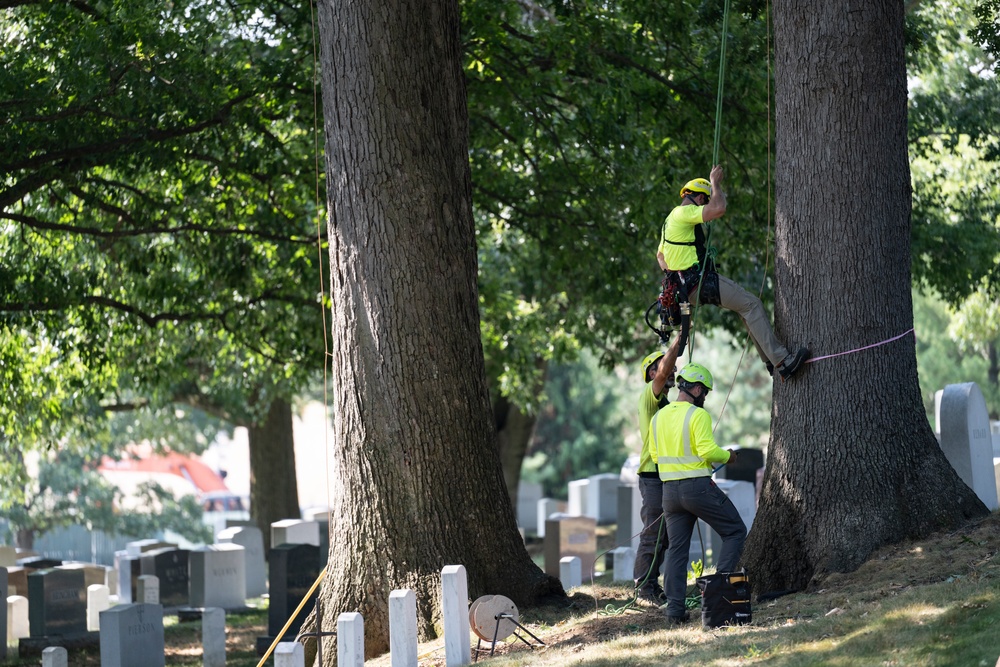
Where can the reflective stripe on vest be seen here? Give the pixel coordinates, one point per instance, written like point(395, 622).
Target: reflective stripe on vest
point(687, 459)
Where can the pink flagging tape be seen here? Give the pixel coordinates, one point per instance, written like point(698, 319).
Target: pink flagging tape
point(866, 347)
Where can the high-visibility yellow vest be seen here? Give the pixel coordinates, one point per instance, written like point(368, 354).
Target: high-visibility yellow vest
point(685, 448)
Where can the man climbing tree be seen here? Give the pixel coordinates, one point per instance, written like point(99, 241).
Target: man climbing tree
point(845, 477)
point(417, 482)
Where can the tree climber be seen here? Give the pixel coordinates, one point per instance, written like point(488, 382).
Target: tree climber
point(681, 255)
point(658, 373)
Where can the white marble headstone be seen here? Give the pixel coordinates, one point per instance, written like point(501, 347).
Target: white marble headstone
point(218, 576)
point(403, 638)
point(252, 541)
point(97, 601)
point(602, 497)
point(966, 439)
point(455, 610)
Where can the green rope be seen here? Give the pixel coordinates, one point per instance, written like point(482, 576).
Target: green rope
point(709, 250)
point(722, 79)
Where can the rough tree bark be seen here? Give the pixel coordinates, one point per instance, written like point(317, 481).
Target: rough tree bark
point(417, 483)
point(853, 463)
point(274, 493)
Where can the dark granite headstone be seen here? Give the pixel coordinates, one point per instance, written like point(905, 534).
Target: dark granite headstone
point(746, 465)
point(292, 570)
point(57, 603)
point(170, 566)
point(38, 563)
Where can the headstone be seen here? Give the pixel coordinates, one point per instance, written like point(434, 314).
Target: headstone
point(350, 640)
point(570, 536)
point(35, 563)
point(289, 654)
point(213, 637)
point(57, 603)
point(148, 589)
point(745, 468)
point(294, 531)
point(25, 553)
point(403, 640)
point(218, 576)
point(170, 567)
point(629, 526)
point(252, 541)
point(321, 515)
point(92, 573)
point(602, 498)
point(455, 610)
point(8, 556)
point(292, 570)
point(570, 572)
point(630, 471)
point(55, 656)
point(624, 564)
point(4, 630)
point(528, 495)
point(137, 548)
point(97, 601)
point(966, 439)
point(18, 625)
point(744, 497)
point(17, 581)
point(546, 508)
point(132, 636)
point(128, 568)
point(578, 492)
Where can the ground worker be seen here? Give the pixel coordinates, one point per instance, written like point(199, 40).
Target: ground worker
point(681, 433)
point(658, 373)
point(681, 255)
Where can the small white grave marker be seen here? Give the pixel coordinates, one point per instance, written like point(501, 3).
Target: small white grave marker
point(17, 617)
point(403, 628)
point(213, 637)
point(455, 609)
point(97, 601)
point(148, 589)
point(624, 564)
point(54, 656)
point(350, 640)
point(570, 572)
point(289, 654)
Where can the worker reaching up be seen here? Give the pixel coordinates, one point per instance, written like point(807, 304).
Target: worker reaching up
point(681, 255)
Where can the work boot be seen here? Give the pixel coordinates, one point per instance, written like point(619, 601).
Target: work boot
point(793, 362)
point(677, 620)
point(654, 595)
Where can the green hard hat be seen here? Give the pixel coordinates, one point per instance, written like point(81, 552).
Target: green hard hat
point(696, 373)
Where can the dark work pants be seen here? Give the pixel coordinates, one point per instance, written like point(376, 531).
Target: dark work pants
point(684, 502)
point(649, 555)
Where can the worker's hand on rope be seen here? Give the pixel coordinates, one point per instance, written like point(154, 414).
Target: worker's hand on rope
point(716, 177)
point(733, 455)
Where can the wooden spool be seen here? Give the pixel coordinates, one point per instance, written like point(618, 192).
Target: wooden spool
point(483, 617)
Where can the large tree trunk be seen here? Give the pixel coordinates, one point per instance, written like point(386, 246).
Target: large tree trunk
point(417, 483)
point(274, 493)
point(846, 476)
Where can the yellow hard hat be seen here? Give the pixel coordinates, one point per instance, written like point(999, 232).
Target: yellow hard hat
point(649, 361)
point(697, 185)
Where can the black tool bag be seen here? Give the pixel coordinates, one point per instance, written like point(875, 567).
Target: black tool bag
point(725, 599)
